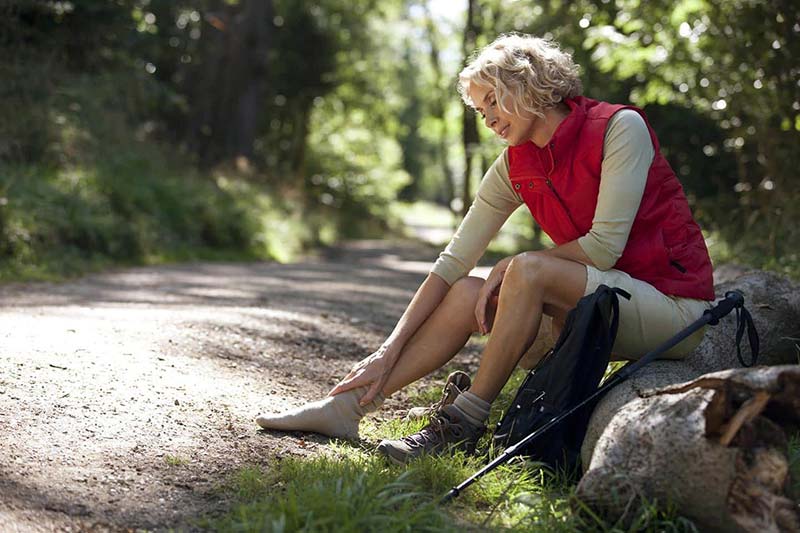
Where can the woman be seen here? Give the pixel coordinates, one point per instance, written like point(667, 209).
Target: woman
point(592, 176)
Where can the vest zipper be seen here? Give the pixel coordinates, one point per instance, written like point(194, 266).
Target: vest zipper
point(550, 183)
point(563, 205)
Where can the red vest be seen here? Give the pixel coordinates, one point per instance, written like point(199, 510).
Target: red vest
point(560, 182)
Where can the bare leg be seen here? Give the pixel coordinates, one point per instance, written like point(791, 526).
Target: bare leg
point(440, 337)
point(534, 283)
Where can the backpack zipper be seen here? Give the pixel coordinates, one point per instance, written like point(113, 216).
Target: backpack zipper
point(534, 401)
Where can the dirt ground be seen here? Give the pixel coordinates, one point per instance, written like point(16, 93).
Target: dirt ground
point(127, 398)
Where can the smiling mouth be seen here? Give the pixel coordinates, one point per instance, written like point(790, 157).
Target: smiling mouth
point(503, 132)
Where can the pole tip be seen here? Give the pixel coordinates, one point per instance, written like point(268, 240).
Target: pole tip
point(450, 495)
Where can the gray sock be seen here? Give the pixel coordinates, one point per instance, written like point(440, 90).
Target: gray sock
point(474, 409)
point(334, 416)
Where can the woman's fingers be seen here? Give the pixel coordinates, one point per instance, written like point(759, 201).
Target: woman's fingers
point(480, 312)
point(349, 382)
point(376, 387)
point(342, 382)
point(491, 310)
point(485, 296)
point(372, 371)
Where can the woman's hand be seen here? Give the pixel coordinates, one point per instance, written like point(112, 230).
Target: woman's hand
point(372, 370)
point(487, 296)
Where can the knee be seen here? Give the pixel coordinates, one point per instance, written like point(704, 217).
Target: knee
point(465, 290)
point(529, 269)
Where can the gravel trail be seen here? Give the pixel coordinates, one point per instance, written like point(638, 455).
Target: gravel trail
point(127, 398)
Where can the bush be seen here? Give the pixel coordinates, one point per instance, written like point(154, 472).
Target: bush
point(128, 209)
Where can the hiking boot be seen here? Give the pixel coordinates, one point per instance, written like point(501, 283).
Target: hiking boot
point(457, 382)
point(447, 430)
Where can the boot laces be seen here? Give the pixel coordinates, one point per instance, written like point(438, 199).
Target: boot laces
point(435, 432)
point(451, 390)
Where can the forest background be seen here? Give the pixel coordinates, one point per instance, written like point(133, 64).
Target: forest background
point(141, 131)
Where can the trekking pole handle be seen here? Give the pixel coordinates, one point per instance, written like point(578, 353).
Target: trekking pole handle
point(732, 300)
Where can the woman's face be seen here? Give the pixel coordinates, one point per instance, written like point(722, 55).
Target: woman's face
point(513, 129)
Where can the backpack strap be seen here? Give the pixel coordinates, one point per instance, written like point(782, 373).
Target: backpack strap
point(744, 319)
point(615, 308)
point(735, 300)
point(612, 320)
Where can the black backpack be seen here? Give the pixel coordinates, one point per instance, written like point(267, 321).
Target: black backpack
point(567, 375)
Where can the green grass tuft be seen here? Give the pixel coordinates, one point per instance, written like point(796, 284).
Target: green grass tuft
point(346, 492)
point(176, 460)
point(794, 467)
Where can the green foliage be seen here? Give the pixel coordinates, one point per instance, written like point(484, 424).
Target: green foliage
point(101, 195)
point(722, 76)
point(345, 105)
point(352, 171)
point(61, 221)
point(85, 124)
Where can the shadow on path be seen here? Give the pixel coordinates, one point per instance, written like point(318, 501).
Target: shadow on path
point(127, 398)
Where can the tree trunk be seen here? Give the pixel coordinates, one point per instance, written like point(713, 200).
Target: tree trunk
point(228, 95)
point(439, 107)
point(470, 139)
point(774, 303)
point(714, 448)
point(469, 129)
point(642, 443)
point(256, 41)
point(300, 142)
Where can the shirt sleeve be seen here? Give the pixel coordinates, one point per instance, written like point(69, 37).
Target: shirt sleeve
point(494, 201)
point(627, 155)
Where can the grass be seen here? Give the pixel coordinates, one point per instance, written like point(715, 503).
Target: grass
point(794, 466)
point(348, 491)
point(176, 460)
point(349, 488)
point(130, 209)
point(142, 207)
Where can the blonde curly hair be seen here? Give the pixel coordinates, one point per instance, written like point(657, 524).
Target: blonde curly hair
point(535, 73)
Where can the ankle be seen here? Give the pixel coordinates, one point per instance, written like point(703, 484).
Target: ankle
point(351, 400)
point(474, 409)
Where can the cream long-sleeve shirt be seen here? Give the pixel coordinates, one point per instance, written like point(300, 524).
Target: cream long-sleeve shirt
point(627, 155)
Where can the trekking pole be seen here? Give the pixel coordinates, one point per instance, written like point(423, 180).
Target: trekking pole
point(733, 300)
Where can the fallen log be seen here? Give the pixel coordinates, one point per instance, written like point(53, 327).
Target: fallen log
point(714, 447)
point(774, 303)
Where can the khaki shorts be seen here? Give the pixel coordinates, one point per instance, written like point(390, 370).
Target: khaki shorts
point(649, 317)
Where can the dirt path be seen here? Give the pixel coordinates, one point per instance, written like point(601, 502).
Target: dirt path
point(127, 398)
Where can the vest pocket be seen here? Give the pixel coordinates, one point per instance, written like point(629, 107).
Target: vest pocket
point(675, 243)
point(678, 266)
point(646, 256)
point(547, 209)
